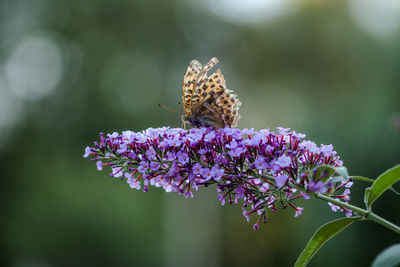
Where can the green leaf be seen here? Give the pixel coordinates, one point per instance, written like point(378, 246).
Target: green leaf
point(366, 196)
point(324, 171)
point(322, 235)
point(382, 183)
point(361, 178)
point(390, 257)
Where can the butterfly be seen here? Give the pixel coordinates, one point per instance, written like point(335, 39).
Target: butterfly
point(206, 100)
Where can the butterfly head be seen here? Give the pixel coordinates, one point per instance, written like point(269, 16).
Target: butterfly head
point(197, 122)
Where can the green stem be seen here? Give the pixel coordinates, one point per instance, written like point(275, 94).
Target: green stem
point(360, 211)
point(365, 214)
point(373, 217)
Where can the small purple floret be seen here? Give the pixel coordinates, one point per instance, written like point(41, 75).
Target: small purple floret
point(281, 180)
point(99, 165)
point(314, 186)
point(88, 150)
point(154, 166)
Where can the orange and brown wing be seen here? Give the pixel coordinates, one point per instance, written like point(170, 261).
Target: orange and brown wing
point(189, 83)
point(230, 104)
point(200, 82)
point(217, 102)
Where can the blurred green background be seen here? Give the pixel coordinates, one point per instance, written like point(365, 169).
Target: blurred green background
point(72, 69)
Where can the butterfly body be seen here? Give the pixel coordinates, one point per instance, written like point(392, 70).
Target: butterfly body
point(198, 122)
point(206, 100)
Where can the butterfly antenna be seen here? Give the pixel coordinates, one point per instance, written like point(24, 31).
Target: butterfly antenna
point(170, 109)
point(183, 109)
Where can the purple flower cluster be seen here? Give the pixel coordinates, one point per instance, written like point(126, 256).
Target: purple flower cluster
point(264, 169)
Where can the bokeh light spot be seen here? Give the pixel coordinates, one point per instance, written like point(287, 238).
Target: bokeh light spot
point(34, 68)
point(250, 11)
point(379, 18)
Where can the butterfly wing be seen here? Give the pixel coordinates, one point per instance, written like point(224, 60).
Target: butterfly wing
point(230, 104)
point(217, 104)
point(200, 82)
point(189, 83)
